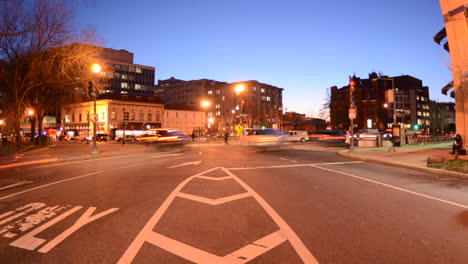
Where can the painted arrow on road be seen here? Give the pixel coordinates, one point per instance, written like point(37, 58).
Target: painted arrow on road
point(186, 164)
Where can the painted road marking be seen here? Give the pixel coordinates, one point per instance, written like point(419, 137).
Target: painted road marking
point(15, 185)
point(295, 165)
point(196, 255)
point(61, 181)
point(27, 163)
point(185, 164)
point(394, 187)
point(32, 219)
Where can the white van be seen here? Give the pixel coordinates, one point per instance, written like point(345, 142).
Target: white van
point(296, 135)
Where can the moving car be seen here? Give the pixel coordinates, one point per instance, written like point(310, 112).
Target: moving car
point(296, 135)
point(267, 138)
point(102, 137)
point(130, 138)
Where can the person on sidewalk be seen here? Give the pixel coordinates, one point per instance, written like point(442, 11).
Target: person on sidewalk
point(226, 138)
point(347, 139)
point(457, 145)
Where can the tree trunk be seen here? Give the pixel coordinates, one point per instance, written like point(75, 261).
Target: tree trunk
point(40, 117)
point(17, 127)
point(33, 127)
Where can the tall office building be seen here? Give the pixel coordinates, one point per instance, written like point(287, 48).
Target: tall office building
point(122, 76)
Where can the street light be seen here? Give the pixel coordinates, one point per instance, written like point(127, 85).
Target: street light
point(205, 104)
point(96, 68)
point(30, 112)
point(239, 88)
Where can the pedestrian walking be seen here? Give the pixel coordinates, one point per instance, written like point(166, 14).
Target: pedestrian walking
point(226, 138)
point(193, 136)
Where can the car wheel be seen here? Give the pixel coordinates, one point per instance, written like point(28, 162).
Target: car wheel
point(302, 140)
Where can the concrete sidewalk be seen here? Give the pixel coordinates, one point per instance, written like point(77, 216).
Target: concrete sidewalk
point(413, 157)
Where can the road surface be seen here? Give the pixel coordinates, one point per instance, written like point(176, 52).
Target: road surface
point(231, 204)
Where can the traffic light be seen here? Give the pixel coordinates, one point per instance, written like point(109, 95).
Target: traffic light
point(90, 89)
point(243, 102)
point(416, 127)
point(126, 116)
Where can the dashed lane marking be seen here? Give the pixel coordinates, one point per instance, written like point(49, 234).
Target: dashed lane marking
point(16, 184)
point(197, 255)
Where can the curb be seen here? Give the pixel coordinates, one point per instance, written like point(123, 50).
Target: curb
point(441, 172)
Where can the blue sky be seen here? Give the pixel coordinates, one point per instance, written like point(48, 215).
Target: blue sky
point(302, 46)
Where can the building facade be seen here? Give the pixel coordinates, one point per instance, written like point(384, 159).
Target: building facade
point(175, 91)
point(257, 105)
point(142, 115)
point(121, 76)
point(410, 104)
point(186, 119)
point(442, 117)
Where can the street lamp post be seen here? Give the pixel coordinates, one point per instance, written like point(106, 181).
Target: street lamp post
point(96, 69)
point(239, 89)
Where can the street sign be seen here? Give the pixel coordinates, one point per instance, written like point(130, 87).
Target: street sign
point(93, 117)
point(352, 113)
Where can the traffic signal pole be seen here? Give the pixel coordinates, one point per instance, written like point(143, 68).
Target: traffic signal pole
point(95, 150)
point(352, 85)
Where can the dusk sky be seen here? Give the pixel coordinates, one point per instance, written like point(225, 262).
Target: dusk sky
point(302, 46)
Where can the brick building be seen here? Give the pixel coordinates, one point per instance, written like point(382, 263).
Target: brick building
point(258, 105)
point(410, 106)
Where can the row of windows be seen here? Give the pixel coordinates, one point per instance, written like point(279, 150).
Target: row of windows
point(127, 68)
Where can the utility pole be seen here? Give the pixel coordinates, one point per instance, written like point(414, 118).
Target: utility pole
point(352, 111)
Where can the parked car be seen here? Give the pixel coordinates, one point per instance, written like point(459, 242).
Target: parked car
point(102, 137)
point(296, 135)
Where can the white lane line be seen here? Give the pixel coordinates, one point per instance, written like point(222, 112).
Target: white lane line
point(214, 178)
point(295, 241)
point(61, 181)
point(183, 250)
point(213, 201)
point(165, 155)
point(283, 159)
point(258, 247)
point(15, 185)
point(147, 232)
point(185, 164)
point(396, 188)
point(295, 165)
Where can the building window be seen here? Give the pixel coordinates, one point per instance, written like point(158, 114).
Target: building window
point(150, 117)
point(113, 117)
point(103, 115)
point(223, 98)
point(218, 113)
point(217, 106)
point(137, 86)
point(124, 77)
point(87, 117)
point(141, 116)
point(124, 85)
point(79, 117)
point(268, 98)
point(131, 69)
point(254, 88)
point(210, 113)
point(210, 92)
point(132, 116)
point(158, 116)
point(67, 119)
point(262, 90)
point(218, 92)
point(73, 117)
point(138, 70)
point(176, 114)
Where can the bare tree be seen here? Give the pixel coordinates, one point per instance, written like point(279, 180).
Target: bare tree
point(324, 111)
point(41, 65)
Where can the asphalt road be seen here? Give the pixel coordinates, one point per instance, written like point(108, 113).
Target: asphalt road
point(231, 204)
